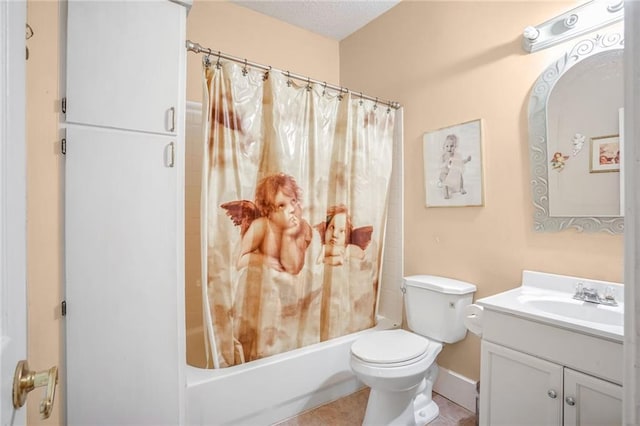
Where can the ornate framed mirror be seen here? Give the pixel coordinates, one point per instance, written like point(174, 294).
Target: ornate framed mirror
point(575, 138)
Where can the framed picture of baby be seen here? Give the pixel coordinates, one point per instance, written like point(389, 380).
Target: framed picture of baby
point(453, 166)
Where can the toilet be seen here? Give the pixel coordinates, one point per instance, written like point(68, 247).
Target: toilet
point(398, 365)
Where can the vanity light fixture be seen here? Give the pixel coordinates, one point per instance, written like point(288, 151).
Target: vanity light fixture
point(585, 18)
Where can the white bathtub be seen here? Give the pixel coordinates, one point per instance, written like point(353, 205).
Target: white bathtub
point(272, 389)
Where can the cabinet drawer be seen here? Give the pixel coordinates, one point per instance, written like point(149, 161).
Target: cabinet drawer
point(592, 355)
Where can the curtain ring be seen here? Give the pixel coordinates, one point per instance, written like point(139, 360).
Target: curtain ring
point(308, 84)
point(340, 92)
point(218, 64)
point(361, 101)
point(265, 77)
point(289, 82)
point(375, 105)
point(324, 88)
point(245, 71)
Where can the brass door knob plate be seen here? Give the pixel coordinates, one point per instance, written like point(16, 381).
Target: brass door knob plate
point(25, 380)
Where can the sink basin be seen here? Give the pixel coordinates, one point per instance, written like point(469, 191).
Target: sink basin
point(579, 310)
point(548, 298)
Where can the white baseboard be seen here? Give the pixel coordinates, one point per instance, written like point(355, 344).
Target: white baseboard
point(457, 388)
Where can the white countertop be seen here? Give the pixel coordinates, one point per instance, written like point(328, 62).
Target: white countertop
point(548, 298)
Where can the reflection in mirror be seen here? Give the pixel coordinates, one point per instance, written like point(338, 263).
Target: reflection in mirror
point(582, 114)
point(575, 138)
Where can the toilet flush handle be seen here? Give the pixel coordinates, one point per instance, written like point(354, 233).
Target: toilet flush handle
point(552, 394)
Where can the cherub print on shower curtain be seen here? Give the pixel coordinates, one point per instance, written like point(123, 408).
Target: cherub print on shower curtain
point(340, 241)
point(267, 144)
point(272, 229)
point(349, 286)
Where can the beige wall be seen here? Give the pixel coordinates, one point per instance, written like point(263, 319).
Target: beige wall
point(44, 202)
point(220, 25)
point(243, 33)
point(449, 63)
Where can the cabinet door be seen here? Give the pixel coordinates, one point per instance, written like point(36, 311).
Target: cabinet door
point(125, 310)
point(591, 401)
point(123, 64)
point(518, 389)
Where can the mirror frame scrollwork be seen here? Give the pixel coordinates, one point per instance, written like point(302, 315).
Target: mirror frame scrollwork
point(538, 138)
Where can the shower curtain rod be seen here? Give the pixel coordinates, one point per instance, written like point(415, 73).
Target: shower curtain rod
point(197, 48)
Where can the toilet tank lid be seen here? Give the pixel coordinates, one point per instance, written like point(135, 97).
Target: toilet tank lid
point(440, 284)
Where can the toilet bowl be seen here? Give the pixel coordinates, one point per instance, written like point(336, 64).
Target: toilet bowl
point(394, 364)
point(399, 365)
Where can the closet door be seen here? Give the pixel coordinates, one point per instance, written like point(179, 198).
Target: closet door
point(123, 303)
point(122, 64)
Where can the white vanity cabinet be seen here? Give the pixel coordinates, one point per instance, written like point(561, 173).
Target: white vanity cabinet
point(521, 389)
point(549, 356)
point(120, 56)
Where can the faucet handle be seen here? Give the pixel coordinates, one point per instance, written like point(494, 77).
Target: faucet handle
point(608, 293)
point(579, 289)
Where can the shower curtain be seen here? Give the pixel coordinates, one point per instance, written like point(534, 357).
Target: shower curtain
point(294, 196)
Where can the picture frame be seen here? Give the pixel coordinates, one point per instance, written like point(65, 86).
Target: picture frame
point(621, 130)
point(605, 154)
point(453, 169)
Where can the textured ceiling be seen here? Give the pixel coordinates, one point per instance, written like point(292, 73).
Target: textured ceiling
point(333, 19)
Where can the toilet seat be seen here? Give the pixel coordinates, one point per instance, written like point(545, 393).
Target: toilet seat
point(398, 366)
point(393, 348)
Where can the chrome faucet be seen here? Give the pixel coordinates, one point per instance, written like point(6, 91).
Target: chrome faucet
point(591, 295)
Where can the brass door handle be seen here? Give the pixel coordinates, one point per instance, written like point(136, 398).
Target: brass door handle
point(25, 380)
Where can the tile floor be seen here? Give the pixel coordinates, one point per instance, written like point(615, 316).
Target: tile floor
point(349, 411)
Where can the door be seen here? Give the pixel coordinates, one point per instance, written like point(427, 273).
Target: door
point(518, 389)
point(122, 278)
point(122, 64)
point(13, 313)
point(591, 401)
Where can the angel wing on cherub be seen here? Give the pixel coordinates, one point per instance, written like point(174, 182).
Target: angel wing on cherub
point(340, 241)
point(272, 229)
point(242, 213)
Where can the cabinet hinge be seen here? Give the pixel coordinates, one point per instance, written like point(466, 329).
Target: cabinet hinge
point(63, 308)
point(64, 105)
point(63, 146)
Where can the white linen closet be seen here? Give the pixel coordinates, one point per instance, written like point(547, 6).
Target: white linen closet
point(124, 210)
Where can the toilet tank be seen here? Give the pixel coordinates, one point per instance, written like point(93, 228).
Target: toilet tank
point(434, 306)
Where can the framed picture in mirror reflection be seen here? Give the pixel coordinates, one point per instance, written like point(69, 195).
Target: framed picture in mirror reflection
point(605, 154)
